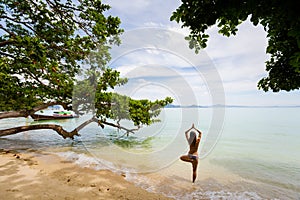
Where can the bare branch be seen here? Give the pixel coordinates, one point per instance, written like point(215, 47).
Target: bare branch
point(93, 119)
point(120, 127)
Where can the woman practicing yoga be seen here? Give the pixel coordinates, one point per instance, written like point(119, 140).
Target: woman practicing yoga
point(194, 142)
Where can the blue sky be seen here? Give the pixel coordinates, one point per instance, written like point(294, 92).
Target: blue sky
point(156, 59)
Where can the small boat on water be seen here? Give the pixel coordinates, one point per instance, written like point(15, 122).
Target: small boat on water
point(54, 112)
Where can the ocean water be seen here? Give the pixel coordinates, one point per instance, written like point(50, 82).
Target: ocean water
point(253, 152)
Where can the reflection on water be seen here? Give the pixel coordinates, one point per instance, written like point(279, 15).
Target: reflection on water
point(134, 143)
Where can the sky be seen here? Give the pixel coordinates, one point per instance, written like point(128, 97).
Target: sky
point(158, 62)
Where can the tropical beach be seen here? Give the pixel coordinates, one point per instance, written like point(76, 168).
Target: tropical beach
point(42, 175)
point(99, 100)
point(248, 162)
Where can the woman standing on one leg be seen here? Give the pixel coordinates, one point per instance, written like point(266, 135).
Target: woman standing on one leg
point(192, 156)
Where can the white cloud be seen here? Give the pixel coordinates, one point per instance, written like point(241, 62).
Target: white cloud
point(138, 13)
point(165, 59)
point(249, 39)
point(240, 59)
point(149, 56)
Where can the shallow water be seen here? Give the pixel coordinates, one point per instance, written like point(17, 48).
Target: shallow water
point(256, 155)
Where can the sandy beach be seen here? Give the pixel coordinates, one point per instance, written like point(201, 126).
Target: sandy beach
point(42, 175)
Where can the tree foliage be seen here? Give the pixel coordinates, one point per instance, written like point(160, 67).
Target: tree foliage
point(279, 18)
point(121, 107)
point(43, 46)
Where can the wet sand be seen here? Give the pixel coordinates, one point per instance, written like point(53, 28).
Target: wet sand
point(42, 175)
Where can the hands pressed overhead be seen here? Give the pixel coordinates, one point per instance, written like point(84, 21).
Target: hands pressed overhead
point(194, 142)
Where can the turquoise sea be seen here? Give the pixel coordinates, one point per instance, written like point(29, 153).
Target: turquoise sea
point(255, 152)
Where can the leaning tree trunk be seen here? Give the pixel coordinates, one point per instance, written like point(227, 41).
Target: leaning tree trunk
point(60, 130)
point(57, 128)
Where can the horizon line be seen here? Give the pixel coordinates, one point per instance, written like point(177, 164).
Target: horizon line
point(236, 106)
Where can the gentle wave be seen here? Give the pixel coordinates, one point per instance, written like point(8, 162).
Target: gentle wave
point(216, 195)
point(258, 146)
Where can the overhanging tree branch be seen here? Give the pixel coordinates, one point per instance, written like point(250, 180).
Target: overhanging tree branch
point(121, 127)
point(49, 41)
point(60, 130)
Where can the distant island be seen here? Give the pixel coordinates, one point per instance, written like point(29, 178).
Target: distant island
point(230, 106)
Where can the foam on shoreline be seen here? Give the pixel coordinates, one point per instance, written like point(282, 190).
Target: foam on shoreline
point(44, 175)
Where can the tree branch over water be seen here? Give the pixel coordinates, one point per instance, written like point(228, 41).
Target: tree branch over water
point(61, 131)
point(47, 48)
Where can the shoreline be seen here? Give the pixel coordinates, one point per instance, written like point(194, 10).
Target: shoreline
point(44, 175)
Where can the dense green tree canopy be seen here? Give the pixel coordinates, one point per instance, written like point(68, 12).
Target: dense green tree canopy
point(280, 19)
point(43, 43)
